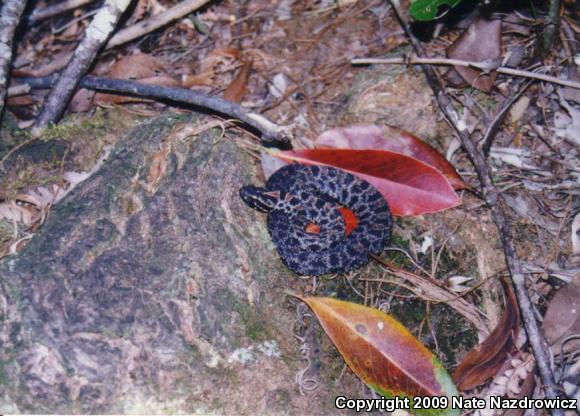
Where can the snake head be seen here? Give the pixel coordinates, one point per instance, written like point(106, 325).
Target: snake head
point(259, 198)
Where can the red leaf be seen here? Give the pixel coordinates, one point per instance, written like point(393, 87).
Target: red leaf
point(383, 353)
point(485, 360)
point(370, 136)
point(410, 186)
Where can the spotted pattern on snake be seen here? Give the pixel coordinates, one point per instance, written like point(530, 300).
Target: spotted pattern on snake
point(297, 196)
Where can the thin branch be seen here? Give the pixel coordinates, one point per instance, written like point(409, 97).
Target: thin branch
point(56, 9)
point(482, 66)
point(552, 25)
point(18, 90)
point(95, 37)
point(9, 17)
point(493, 127)
point(498, 208)
point(178, 11)
point(271, 133)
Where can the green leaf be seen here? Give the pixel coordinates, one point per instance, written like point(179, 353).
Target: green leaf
point(425, 10)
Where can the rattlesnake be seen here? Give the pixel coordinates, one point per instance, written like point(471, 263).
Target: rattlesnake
point(305, 222)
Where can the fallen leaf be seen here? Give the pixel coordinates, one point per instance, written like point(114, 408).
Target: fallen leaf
point(137, 66)
point(562, 318)
point(519, 109)
point(410, 186)
point(239, 86)
point(526, 390)
point(484, 361)
point(571, 72)
point(576, 234)
point(370, 136)
point(481, 42)
point(208, 70)
point(19, 101)
point(383, 353)
point(568, 127)
point(12, 212)
point(82, 101)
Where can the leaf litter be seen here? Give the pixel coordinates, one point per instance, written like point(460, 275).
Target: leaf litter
point(301, 76)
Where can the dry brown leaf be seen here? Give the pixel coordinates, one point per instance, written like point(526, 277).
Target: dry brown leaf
point(485, 360)
point(82, 101)
point(576, 235)
point(239, 86)
point(20, 101)
point(526, 390)
point(562, 317)
point(203, 78)
point(480, 42)
point(573, 74)
point(209, 66)
point(137, 66)
point(12, 212)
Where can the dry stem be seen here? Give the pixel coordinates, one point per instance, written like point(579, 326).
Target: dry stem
point(483, 66)
point(498, 207)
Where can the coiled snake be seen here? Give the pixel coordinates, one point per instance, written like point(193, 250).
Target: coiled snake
point(306, 222)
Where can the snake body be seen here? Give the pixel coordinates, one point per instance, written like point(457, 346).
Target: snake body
point(298, 196)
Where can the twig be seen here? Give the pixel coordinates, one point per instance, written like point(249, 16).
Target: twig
point(434, 292)
point(9, 18)
point(493, 127)
point(74, 22)
point(552, 25)
point(95, 37)
point(570, 36)
point(18, 90)
point(56, 9)
point(498, 207)
point(271, 133)
point(482, 66)
point(181, 9)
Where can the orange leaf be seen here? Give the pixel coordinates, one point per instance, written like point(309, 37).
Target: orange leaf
point(372, 137)
point(410, 186)
point(239, 86)
point(485, 360)
point(383, 353)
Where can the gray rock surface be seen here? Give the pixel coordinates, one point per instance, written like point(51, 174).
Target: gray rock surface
point(152, 288)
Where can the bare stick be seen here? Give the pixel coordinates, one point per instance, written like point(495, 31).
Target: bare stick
point(9, 18)
point(181, 9)
point(95, 37)
point(56, 9)
point(552, 25)
point(493, 127)
point(483, 66)
point(271, 133)
point(18, 90)
point(498, 207)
